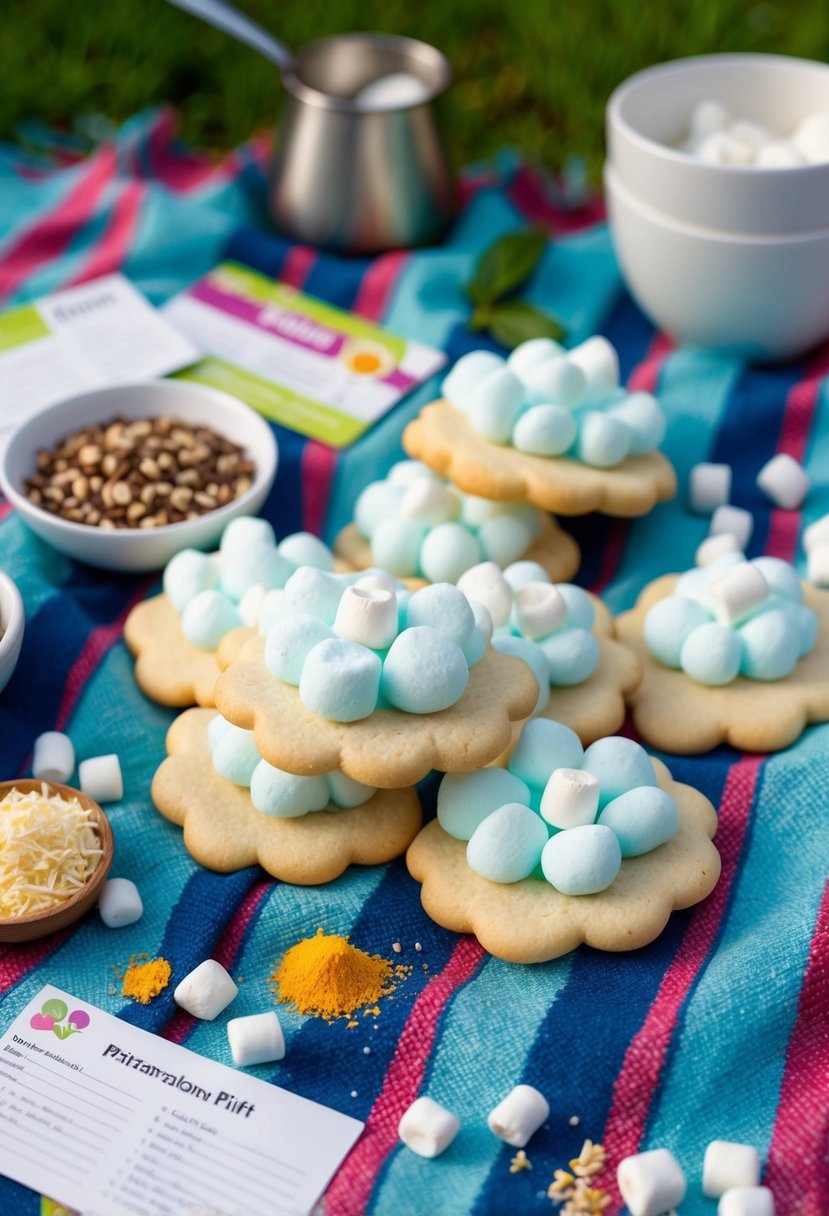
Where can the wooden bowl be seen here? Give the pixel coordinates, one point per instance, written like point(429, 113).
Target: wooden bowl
point(41, 924)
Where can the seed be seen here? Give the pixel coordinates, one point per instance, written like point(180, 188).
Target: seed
point(121, 494)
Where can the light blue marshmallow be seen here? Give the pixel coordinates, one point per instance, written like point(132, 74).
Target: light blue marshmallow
point(284, 795)
point(770, 646)
point(468, 373)
point(315, 592)
point(518, 574)
point(424, 671)
point(645, 419)
point(275, 607)
point(186, 574)
point(618, 765)
point(669, 623)
point(305, 549)
point(247, 532)
point(711, 654)
point(494, 404)
point(403, 597)
point(447, 551)
point(216, 728)
point(508, 845)
point(545, 745)
point(395, 546)
point(806, 624)
point(404, 472)
point(781, 577)
point(344, 791)
point(642, 819)
point(531, 353)
point(603, 440)
point(582, 861)
point(581, 612)
point(207, 618)
point(534, 657)
point(503, 539)
point(380, 500)
point(236, 755)
point(244, 568)
point(443, 607)
point(340, 680)
point(556, 381)
point(572, 656)
point(288, 644)
point(475, 648)
point(465, 799)
point(544, 430)
point(695, 583)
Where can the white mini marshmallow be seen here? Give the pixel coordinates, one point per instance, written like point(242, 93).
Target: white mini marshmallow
point(784, 480)
point(651, 1183)
point(812, 138)
point(100, 778)
point(539, 610)
point(598, 360)
point(120, 903)
point(256, 1039)
point(747, 1201)
point(206, 991)
point(816, 533)
point(54, 757)
point(818, 567)
point(752, 133)
point(368, 617)
point(715, 547)
point(779, 154)
point(429, 502)
point(709, 487)
point(486, 583)
point(570, 798)
point(738, 593)
point(726, 1165)
point(519, 1116)
point(250, 605)
point(428, 1128)
point(736, 520)
point(708, 116)
point(723, 148)
point(377, 580)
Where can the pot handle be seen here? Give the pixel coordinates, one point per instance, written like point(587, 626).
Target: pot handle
point(223, 16)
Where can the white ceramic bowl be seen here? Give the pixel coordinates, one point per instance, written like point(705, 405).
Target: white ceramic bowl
point(11, 628)
point(138, 549)
point(730, 257)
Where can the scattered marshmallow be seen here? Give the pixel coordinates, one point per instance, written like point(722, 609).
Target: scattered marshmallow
point(747, 1201)
point(716, 137)
point(539, 610)
point(651, 1183)
point(100, 778)
point(709, 487)
point(816, 533)
point(723, 148)
point(54, 757)
point(120, 903)
point(738, 593)
point(784, 480)
point(811, 139)
point(728, 1165)
point(428, 1128)
point(368, 617)
point(519, 1116)
point(818, 567)
point(206, 990)
point(570, 798)
point(256, 1039)
point(736, 520)
point(715, 547)
point(779, 154)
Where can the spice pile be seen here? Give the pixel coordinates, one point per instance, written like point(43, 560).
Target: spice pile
point(326, 976)
point(144, 978)
point(139, 474)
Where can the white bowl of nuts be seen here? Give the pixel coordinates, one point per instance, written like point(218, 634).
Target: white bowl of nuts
point(125, 477)
point(11, 628)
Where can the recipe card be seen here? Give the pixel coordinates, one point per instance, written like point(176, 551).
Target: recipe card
point(301, 362)
point(113, 1121)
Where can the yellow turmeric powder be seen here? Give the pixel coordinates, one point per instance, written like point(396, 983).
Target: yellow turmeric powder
point(327, 976)
point(144, 981)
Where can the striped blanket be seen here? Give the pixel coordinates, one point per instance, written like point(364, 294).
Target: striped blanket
point(718, 1029)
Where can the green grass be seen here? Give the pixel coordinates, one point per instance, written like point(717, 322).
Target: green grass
point(534, 74)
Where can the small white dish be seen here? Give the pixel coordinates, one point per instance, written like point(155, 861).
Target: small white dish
point(150, 548)
point(11, 628)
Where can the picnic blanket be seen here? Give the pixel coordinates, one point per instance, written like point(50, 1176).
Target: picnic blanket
point(716, 1030)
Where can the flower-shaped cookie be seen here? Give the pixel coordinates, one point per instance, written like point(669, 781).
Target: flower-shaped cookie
point(675, 712)
point(224, 831)
point(668, 860)
point(419, 528)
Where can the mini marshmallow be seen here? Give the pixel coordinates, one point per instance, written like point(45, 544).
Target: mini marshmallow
point(645, 419)
point(543, 746)
point(781, 577)
point(544, 430)
point(275, 608)
point(556, 381)
point(404, 472)
point(120, 903)
point(779, 154)
point(250, 605)
point(572, 656)
point(487, 584)
point(580, 610)
point(494, 404)
point(377, 580)
point(570, 798)
point(533, 655)
point(367, 617)
point(771, 645)
point(598, 360)
point(504, 538)
point(54, 757)
point(235, 755)
point(752, 133)
point(443, 607)
point(518, 574)
point(642, 819)
point(582, 861)
point(247, 531)
point(466, 799)
point(747, 1201)
point(341, 680)
point(818, 564)
point(538, 610)
point(709, 487)
point(305, 549)
point(100, 778)
point(483, 619)
point(618, 765)
point(712, 654)
point(722, 148)
point(314, 591)
point(429, 502)
point(207, 618)
point(186, 574)
point(256, 1039)
point(217, 727)
point(669, 623)
point(243, 568)
point(519, 1116)
point(285, 795)
point(604, 441)
point(651, 1183)
point(735, 520)
point(738, 593)
point(288, 644)
point(708, 116)
point(726, 1165)
point(469, 371)
point(817, 533)
point(447, 552)
point(344, 791)
point(713, 547)
point(205, 991)
point(507, 845)
point(424, 671)
point(395, 545)
point(379, 501)
point(535, 350)
point(812, 139)
point(428, 1128)
point(784, 480)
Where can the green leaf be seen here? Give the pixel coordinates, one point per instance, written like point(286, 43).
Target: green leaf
point(507, 264)
point(515, 321)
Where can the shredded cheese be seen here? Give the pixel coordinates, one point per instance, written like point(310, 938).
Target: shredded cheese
point(49, 849)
